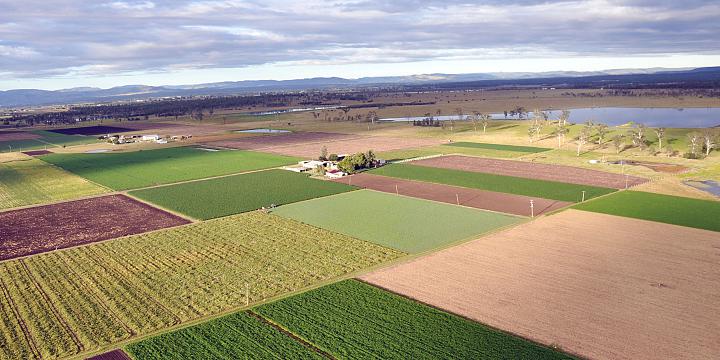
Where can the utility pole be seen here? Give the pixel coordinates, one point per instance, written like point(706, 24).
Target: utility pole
point(532, 208)
point(583, 196)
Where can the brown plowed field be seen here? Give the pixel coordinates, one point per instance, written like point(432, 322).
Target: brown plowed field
point(601, 286)
point(37, 152)
point(263, 142)
point(351, 146)
point(111, 355)
point(17, 135)
point(480, 199)
point(44, 228)
point(525, 169)
point(309, 144)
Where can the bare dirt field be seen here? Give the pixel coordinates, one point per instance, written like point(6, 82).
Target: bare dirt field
point(480, 199)
point(309, 144)
point(111, 355)
point(17, 135)
point(525, 169)
point(37, 152)
point(601, 286)
point(354, 145)
point(264, 142)
point(43, 228)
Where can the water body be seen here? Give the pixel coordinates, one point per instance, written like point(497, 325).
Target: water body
point(709, 186)
point(263, 131)
point(285, 111)
point(616, 116)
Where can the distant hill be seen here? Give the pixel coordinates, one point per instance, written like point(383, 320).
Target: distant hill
point(701, 77)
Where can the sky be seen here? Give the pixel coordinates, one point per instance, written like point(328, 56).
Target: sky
point(54, 44)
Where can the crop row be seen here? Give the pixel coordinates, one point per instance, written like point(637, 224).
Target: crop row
point(500, 183)
point(131, 170)
point(235, 194)
point(352, 320)
point(79, 299)
point(33, 181)
point(236, 336)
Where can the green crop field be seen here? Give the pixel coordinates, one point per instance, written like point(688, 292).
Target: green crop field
point(353, 320)
point(47, 139)
point(131, 170)
point(702, 214)
point(407, 224)
point(239, 193)
point(236, 336)
point(32, 181)
point(501, 147)
point(74, 300)
point(500, 183)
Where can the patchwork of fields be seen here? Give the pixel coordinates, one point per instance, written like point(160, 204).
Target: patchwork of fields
point(491, 182)
point(537, 171)
point(345, 320)
point(75, 300)
point(601, 286)
point(480, 199)
point(352, 320)
point(131, 170)
point(618, 280)
point(236, 336)
point(407, 224)
point(29, 182)
point(239, 193)
point(701, 214)
point(39, 139)
point(43, 228)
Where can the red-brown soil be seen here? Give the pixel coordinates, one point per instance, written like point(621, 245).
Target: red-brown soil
point(480, 199)
point(531, 170)
point(37, 152)
point(43, 228)
point(111, 355)
point(17, 135)
point(601, 286)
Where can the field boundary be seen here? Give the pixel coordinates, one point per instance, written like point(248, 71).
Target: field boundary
point(558, 349)
point(290, 334)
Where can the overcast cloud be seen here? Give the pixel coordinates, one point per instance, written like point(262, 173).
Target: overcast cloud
point(66, 38)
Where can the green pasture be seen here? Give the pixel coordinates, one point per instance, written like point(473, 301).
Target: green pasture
point(407, 224)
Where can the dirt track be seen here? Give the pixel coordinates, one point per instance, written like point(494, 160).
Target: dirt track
point(43, 228)
point(480, 199)
point(532, 170)
point(600, 286)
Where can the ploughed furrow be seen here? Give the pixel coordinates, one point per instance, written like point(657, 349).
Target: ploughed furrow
point(86, 287)
point(77, 308)
point(50, 337)
point(52, 307)
point(120, 296)
point(116, 272)
point(12, 340)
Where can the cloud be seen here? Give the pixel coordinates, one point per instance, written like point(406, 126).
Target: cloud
point(40, 38)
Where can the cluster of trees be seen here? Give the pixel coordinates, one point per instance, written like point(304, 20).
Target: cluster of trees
point(700, 143)
point(352, 163)
point(677, 93)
